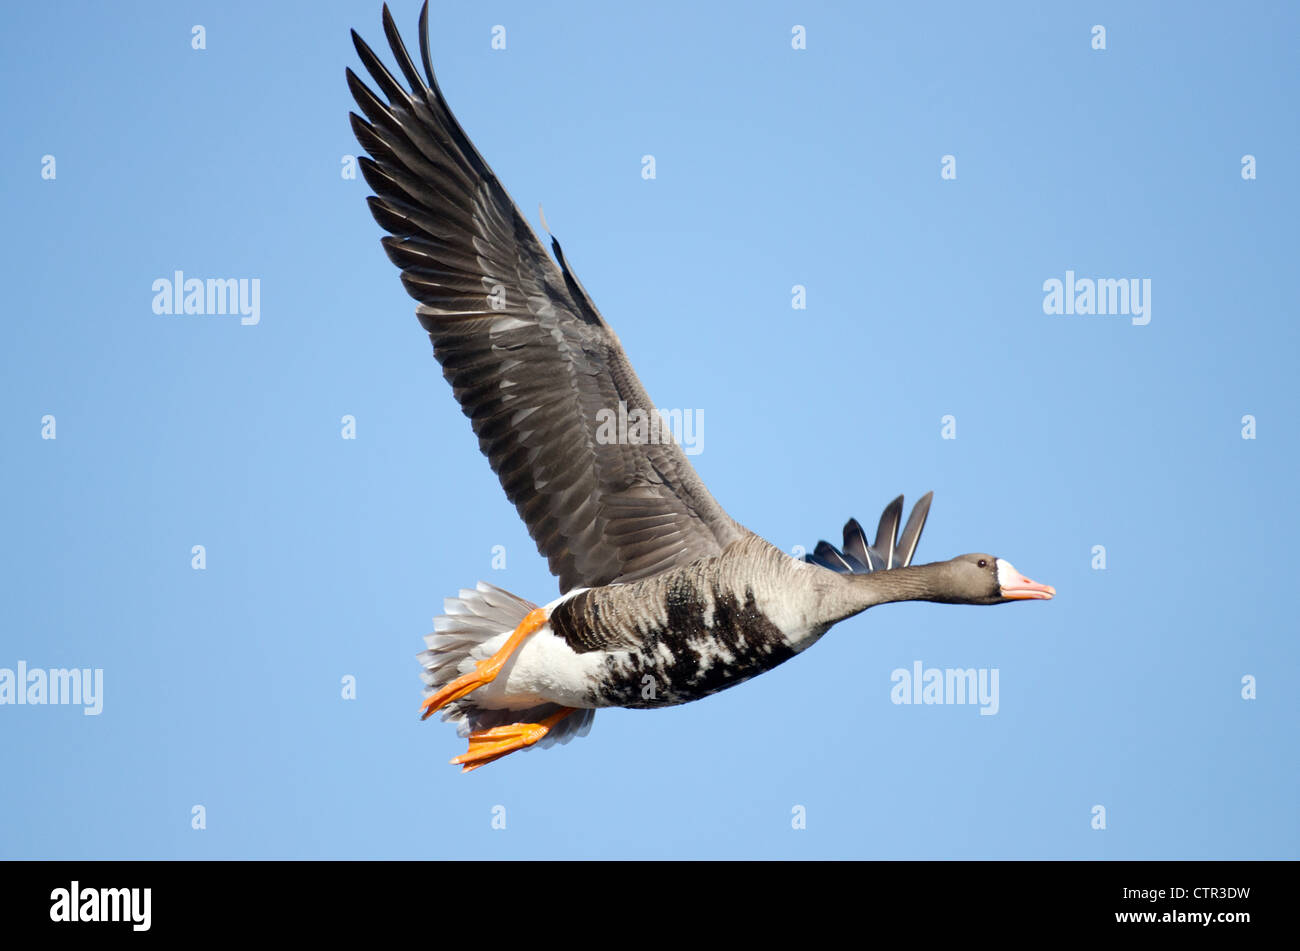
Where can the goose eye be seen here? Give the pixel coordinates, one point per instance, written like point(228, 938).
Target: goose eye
point(984, 563)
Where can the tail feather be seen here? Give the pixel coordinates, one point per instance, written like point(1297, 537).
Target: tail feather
point(891, 550)
point(471, 619)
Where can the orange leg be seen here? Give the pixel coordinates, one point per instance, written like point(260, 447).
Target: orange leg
point(487, 746)
point(486, 670)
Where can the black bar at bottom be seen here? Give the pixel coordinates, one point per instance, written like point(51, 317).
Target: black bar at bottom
point(579, 901)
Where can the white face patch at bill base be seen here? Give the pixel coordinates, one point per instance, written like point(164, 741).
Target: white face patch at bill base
point(1016, 587)
point(1008, 577)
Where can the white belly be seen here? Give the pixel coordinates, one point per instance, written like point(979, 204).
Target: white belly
point(544, 670)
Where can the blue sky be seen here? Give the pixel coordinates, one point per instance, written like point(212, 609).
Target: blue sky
point(820, 167)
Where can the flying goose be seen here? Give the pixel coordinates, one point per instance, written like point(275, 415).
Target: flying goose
point(664, 597)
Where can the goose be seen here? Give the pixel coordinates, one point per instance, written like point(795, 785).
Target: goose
point(664, 598)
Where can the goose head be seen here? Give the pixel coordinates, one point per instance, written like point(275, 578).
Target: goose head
point(883, 573)
point(985, 579)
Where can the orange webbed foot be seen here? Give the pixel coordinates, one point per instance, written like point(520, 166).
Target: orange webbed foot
point(485, 671)
point(487, 746)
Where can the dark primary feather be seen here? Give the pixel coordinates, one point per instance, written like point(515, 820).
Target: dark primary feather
point(528, 356)
point(859, 557)
point(911, 536)
point(887, 531)
point(856, 548)
point(828, 556)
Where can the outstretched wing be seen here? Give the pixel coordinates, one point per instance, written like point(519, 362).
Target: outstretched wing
point(528, 356)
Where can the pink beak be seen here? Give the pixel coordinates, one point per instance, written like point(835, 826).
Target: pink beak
point(1022, 589)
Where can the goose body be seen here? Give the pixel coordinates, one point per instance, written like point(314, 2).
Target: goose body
point(665, 598)
point(690, 631)
point(669, 639)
